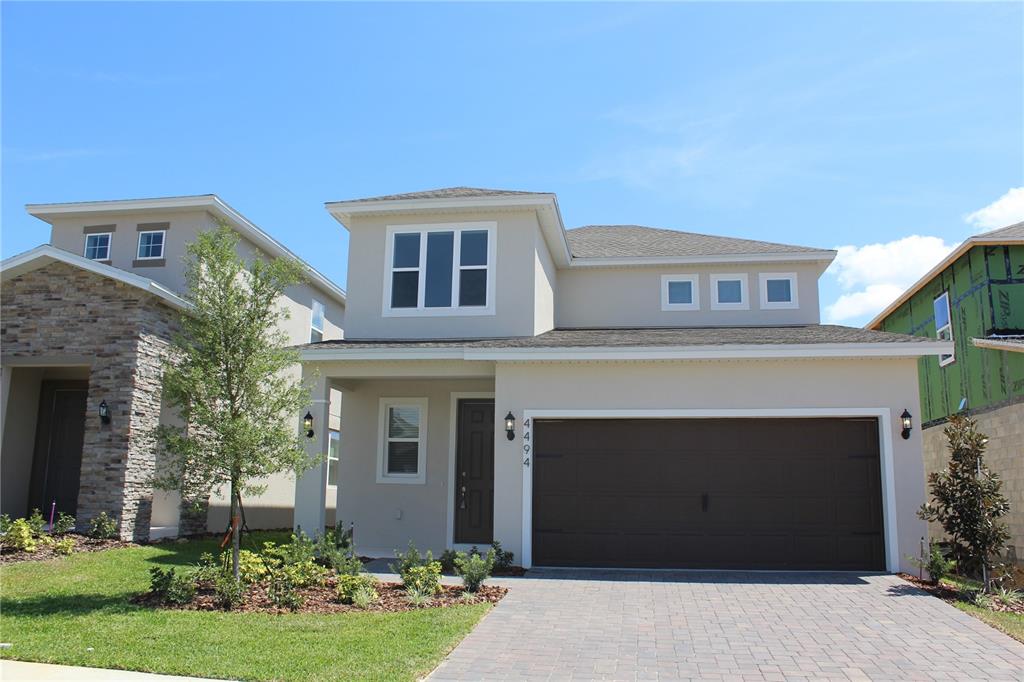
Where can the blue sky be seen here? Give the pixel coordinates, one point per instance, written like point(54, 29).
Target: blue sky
point(880, 127)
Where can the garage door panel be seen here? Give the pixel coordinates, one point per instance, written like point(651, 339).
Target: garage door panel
point(705, 493)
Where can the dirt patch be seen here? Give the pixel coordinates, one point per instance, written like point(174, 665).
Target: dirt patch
point(321, 599)
point(46, 552)
point(951, 593)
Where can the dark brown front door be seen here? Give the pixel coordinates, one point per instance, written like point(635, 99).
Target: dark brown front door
point(708, 493)
point(474, 472)
point(57, 461)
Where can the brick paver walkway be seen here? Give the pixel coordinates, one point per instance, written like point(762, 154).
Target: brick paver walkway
point(562, 625)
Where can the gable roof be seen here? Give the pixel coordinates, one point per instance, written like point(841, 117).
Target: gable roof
point(812, 340)
point(444, 193)
point(206, 202)
point(1011, 234)
point(637, 241)
point(45, 254)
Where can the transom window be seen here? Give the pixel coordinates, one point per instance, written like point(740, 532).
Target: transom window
point(316, 322)
point(151, 244)
point(679, 292)
point(778, 290)
point(440, 270)
point(403, 438)
point(729, 292)
point(943, 325)
point(97, 246)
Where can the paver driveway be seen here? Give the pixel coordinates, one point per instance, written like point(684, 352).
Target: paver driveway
point(561, 625)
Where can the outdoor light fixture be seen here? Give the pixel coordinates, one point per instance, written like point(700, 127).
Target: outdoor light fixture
point(908, 423)
point(510, 425)
point(307, 423)
point(104, 412)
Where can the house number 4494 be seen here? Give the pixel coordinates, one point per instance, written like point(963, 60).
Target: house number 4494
point(527, 447)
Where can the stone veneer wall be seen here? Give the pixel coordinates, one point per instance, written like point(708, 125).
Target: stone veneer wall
point(61, 310)
point(1004, 427)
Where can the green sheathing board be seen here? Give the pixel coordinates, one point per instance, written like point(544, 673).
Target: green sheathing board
point(986, 292)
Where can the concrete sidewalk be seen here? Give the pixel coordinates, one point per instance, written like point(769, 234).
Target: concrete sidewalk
point(19, 671)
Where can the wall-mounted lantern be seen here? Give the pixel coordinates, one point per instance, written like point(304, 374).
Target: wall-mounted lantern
point(104, 412)
point(510, 426)
point(307, 423)
point(908, 424)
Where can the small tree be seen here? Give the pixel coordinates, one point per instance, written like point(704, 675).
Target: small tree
point(227, 375)
point(967, 501)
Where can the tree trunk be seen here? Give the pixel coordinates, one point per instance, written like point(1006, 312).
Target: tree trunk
point(236, 529)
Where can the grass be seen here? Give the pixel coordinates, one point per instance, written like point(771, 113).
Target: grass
point(1010, 623)
point(76, 611)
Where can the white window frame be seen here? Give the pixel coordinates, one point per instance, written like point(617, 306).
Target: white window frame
point(110, 245)
point(420, 477)
point(744, 303)
point(336, 458)
point(948, 328)
point(793, 301)
point(163, 245)
point(668, 306)
point(423, 230)
point(312, 319)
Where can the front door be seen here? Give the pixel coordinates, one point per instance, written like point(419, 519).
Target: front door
point(57, 461)
point(474, 472)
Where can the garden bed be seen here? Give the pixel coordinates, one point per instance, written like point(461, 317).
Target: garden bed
point(322, 599)
point(45, 552)
point(956, 594)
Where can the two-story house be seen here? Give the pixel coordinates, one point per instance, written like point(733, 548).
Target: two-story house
point(973, 298)
point(609, 395)
point(86, 322)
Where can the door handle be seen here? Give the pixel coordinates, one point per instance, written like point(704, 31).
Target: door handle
point(704, 502)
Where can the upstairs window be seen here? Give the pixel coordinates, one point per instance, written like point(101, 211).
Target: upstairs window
point(316, 322)
point(778, 290)
point(151, 244)
point(943, 325)
point(97, 246)
point(729, 292)
point(679, 292)
point(440, 270)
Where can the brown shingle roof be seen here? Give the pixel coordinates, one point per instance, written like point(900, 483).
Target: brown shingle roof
point(637, 241)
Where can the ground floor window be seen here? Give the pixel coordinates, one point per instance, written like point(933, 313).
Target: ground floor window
point(403, 440)
point(333, 450)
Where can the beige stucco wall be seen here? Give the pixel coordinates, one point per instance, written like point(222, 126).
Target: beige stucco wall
point(886, 384)
point(631, 297)
point(19, 434)
point(1004, 455)
point(388, 515)
point(516, 313)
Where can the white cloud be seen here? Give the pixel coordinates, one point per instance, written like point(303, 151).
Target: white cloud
point(872, 276)
point(1006, 210)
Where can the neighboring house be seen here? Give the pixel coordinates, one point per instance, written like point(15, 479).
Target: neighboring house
point(975, 298)
point(87, 319)
point(671, 398)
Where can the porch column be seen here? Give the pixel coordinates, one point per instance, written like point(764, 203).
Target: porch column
point(311, 487)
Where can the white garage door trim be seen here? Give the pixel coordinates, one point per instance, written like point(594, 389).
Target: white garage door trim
point(883, 414)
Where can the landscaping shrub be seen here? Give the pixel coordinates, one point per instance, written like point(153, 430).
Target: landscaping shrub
point(172, 587)
point(64, 546)
point(5, 523)
point(409, 559)
point(64, 524)
point(207, 570)
point(425, 578)
point(936, 563)
point(503, 559)
point(335, 550)
point(304, 574)
point(1010, 596)
point(447, 561)
point(350, 585)
point(36, 522)
point(228, 592)
point(103, 527)
point(474, 569)
point(419, 596)
point(283, 591)
point(251, 567)
point(364, 597)
point(298, 550)
point(19, 536)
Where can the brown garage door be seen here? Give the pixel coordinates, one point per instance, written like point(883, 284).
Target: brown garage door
point(708, 493)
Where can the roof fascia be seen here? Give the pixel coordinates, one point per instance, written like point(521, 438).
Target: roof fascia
point(824, 257)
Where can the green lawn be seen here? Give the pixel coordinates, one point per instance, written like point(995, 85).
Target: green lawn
point(1010, 623)
point(55, 611)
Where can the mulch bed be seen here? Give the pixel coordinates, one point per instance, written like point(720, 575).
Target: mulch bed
point(950, 593)
point(321, 599)
point(44, 553)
